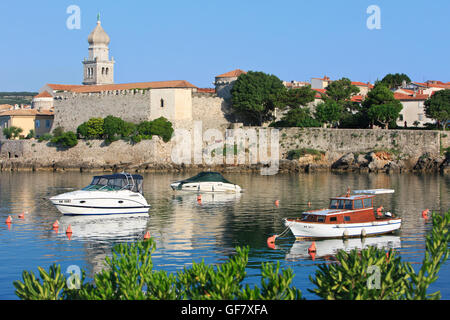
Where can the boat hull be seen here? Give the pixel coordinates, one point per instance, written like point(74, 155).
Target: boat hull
point(304, 230)
point(100, 203)
point(206, 187)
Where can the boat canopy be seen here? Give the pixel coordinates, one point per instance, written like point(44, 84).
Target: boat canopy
point(206, 177)
point(374, 191)
point(118, 181)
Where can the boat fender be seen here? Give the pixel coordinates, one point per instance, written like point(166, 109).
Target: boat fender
point(388, 214)
point(363, 233)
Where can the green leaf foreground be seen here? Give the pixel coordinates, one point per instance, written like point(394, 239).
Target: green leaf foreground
point(129, 275)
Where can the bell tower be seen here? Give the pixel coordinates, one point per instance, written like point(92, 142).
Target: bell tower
point(98, 68)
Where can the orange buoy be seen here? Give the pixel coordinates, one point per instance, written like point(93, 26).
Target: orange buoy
point(312, 254)
point(8, 220)
point(56, 225)
point(147, 235)
point(199, 197)
point(425, 213)
point(312, 247)
point(271, 240)
point(277, 202)
point(69, 229)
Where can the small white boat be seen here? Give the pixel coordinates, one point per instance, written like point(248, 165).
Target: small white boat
point(206, 182)
point(347, 216)
point(106, 195)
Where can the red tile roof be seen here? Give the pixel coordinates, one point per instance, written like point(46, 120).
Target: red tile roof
point(206, 90)
point(402, 96)
point(27, 112)
point(231, 74)
point(136, 85)
point(43, 94)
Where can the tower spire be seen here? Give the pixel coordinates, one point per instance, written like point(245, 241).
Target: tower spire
point(98, 17)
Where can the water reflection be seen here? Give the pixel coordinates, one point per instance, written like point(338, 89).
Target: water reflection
point(185, 229)
point(327, 249)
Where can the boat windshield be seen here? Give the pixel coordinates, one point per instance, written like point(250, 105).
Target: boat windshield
point(116, 182)
point(341, 204)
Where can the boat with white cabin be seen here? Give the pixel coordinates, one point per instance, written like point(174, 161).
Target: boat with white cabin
point(120, 193)
point(350, 215)
point(206, 182)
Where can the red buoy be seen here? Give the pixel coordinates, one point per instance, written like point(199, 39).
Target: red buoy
point(271, 240)
point(425, 213)
point(56, 225)
point(8, 220)
point(69, 229)
point(312, 247)
point(277, 202)
point(147, 236)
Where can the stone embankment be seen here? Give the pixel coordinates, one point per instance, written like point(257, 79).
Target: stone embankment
point(389, 151)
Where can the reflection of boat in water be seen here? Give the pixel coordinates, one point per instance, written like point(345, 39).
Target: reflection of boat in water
point(116, 227)
point(330, 247)
point(106, 195)
point(347, 216)
point(206, 182)
point(208, 199)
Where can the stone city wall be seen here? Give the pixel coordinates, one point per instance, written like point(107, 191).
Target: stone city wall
point(408, 147)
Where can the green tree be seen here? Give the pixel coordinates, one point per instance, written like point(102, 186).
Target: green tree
point(160, 127)
point(393, 81)
point(385, 113)
point(328, 112)
point(341, 91)
point(12, 132)
point(30, 134)
point(297, 97)
point(297, 117)
point(255, 95)
point(438, 107)
point(381, 106)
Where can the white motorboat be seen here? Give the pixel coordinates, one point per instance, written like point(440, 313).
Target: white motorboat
point(206, 182)
point(106, 195)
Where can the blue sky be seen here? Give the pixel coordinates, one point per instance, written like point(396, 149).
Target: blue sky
point(196, 40)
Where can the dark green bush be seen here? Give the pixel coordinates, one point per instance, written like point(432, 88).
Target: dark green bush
point(65, 140)
point(129, 275)
point(45, 137)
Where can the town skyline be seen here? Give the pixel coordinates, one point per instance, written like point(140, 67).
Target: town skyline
point(194, 42)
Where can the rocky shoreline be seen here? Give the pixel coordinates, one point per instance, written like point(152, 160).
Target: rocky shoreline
point(376, 162)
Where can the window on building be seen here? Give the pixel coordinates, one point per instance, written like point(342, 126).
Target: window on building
point(38, 123)
point(420, 116)
point(107, 71)
point(103, 70)
point(48, 123)
point(400, 117)
point(162, 103)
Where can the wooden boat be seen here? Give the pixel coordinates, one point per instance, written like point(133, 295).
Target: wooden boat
point(350, 215)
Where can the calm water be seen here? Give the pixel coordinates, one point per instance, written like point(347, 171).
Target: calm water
point(187, 231)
